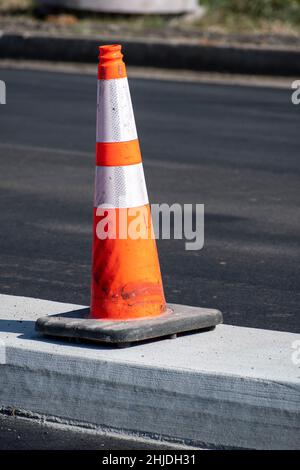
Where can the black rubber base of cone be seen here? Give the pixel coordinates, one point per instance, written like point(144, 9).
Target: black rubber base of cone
point(78, 326)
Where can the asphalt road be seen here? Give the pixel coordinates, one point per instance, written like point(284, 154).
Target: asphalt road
point(17, 433)
point(235, 149)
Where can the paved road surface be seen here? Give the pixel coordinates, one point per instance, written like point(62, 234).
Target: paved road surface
point(235, 149)
point(24, 434)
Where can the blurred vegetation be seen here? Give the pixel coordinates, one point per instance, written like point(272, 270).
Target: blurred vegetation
point(257, 8)
point(275, 17)
point(16, 5)
point(270, 10)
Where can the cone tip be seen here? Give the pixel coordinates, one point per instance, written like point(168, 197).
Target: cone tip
point(111, 63)
point(110, 47)
point(110, 53)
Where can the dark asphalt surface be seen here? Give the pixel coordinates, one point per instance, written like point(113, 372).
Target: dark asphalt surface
point(235, 149)
point(17, 433)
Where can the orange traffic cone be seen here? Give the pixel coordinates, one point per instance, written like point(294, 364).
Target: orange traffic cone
point(128, 303)
point(126, 280)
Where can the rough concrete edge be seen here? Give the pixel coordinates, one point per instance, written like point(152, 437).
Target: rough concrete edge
point(84, 427)
point(179, 54)
point(163, 435)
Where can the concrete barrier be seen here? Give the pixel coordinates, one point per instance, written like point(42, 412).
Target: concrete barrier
point(230, 387)
point(131, 7)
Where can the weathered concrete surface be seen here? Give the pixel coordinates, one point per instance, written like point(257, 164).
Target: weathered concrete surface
point(234, 387)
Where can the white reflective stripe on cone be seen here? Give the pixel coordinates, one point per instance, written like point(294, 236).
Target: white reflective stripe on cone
point(120, 186)
point(115, 118)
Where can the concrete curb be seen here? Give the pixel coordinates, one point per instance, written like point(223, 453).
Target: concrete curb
point(230, 387)
point(186, 55)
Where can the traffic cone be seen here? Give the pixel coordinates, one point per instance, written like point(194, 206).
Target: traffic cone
point(127, 300)
point(126, 278)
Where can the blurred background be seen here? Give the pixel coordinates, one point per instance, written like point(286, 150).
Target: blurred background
point(271, 20)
